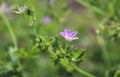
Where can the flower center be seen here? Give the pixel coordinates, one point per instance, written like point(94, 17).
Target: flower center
point(69, 34)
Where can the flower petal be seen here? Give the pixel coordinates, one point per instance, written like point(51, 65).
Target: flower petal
point(68, 35)
point(67, 31)
point(23, 8)
point(62, 34)
point(73, 34)
point(46, 19)
point(75, 38)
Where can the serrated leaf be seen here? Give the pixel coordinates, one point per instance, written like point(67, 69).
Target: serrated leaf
point(77, 54)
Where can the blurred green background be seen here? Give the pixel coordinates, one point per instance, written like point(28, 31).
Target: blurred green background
point(97, 23)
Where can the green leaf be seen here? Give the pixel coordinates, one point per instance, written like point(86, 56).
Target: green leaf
point(77, 54)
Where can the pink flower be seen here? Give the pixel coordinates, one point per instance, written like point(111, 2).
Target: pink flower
point(46, 20)
point(22, 9)
point(4, 7)
point(68, 35)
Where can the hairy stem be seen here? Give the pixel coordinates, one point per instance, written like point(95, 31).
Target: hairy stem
point(34, 30)
point(86, 74)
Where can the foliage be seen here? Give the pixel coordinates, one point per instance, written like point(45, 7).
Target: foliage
point(32, 38)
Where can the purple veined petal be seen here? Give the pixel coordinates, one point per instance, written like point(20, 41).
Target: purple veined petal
point(67, 31)
point(62, 34)
point(73, 34)
point(68, 35)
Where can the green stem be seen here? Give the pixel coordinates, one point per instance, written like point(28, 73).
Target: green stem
point(34, 30)
point(51, 52)
point(33, 25)
point(5, 19)
point(66, 46)
point(82, 71)
point(93, 8)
